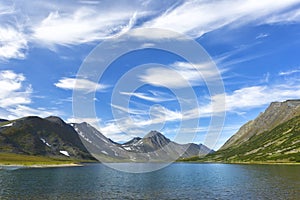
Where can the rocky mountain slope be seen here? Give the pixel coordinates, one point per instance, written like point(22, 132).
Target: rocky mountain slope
point(273, 136)
point(153, 147)
point(275, 114)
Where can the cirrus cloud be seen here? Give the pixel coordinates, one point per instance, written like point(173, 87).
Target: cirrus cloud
point(80, 84)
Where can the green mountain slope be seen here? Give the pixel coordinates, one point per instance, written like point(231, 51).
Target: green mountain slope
point(274, 115)
point(281, 144)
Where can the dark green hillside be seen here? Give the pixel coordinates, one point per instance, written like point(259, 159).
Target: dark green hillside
point(44, 137)
point(281, 144)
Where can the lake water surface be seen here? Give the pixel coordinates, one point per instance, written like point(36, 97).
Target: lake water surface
point(177, 181)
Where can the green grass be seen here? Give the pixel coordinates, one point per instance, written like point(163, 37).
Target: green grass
point(5, 123)
point(27, 160)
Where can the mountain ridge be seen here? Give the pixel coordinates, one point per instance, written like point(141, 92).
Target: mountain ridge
point(154, 146)
point(273, 136)
point(275, 114)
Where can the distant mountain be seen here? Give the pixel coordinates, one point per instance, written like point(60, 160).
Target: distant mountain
point(155, 141)
point(273, 136)
point(132, 141)
point(153, 147)
point(3, 120)
point(50, 137)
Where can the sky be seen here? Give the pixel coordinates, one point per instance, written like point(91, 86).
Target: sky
point(52, 53)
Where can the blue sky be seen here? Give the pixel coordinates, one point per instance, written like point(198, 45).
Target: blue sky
point(254, 44)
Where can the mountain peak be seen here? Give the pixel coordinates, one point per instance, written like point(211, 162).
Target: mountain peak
point(155, 140)
point(55, 119)
point(133, 141)
point(154, 133)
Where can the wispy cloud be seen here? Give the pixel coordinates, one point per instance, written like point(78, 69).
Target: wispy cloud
point(152, 96)
point(6, 9)
point(82, 26)
point(180, 75)
point(67, 24)
point(196, 18)
point(262, 35)
point(80, 84)
point(292, 16)
point(286, 73)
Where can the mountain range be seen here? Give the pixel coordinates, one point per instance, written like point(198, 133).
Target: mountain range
point(274, 136)
point(52, 137)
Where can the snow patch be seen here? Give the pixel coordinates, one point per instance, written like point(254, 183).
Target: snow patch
point(127, 148)
point(65, 153)
point(7, 125)
point(104, 152)
point(44, 141)
point(83, 136)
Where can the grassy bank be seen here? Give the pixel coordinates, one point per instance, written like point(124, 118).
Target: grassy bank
point(28, 160)
point(270, 162)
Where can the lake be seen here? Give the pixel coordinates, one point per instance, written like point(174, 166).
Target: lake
point(177, 181)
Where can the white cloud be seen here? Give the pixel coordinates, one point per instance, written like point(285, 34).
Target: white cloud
point(291, 17)
point(15, 97)
point(255, 96)
point(92, 121)
point(6, 9)
point(180, 75)
point(82, 26)
point(154, 96)
point(22, 111)
point(262, 35)
point(287, 73)
point(89, 2)
point(113, 131)
point(196, 18)
point(13, 43)
point(56, 23)
point(12, 90)
point(79, 84)
point(244, 99)
point(157, 34)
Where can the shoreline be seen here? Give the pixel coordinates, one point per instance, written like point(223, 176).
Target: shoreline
point(243, 163)
point(17, 166)
point(40, 166)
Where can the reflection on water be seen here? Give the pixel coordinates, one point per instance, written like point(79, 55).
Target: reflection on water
point(178, 181)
